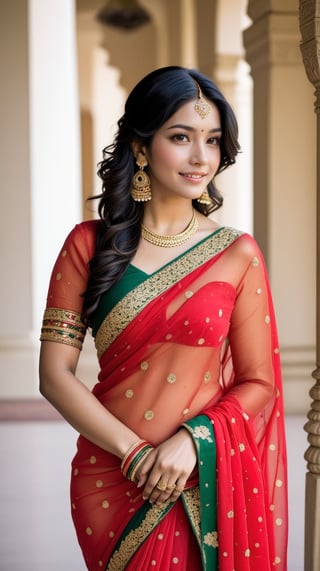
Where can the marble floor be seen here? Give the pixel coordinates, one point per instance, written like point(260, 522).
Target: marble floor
point(36, 532)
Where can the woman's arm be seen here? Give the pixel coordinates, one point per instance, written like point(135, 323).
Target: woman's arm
point(75, 402)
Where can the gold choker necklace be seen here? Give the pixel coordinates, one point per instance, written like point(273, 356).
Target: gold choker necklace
point(168, 241)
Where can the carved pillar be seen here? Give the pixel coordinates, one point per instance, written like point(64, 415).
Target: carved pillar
point(284, 184)
point(309, 13)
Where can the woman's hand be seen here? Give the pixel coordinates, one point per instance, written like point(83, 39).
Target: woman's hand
point(167, 468)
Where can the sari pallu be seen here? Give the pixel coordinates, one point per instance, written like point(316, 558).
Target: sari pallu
point(164, 349)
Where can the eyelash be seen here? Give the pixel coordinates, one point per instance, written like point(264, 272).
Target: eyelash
point(181, 138)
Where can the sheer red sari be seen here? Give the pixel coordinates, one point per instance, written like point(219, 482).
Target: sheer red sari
point(193, 344)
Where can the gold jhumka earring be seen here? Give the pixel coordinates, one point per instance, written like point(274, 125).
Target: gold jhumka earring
point(205, 198)
point(141, 189)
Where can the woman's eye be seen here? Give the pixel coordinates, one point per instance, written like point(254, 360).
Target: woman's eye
point(180, 138)
point(214, 141)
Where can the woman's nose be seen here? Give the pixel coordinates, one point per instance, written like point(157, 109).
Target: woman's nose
point(198, 155)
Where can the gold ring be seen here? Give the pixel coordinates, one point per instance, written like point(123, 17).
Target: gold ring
point(161, 486)
point(171, 487)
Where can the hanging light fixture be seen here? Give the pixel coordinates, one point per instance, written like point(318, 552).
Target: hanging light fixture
point(125, 14)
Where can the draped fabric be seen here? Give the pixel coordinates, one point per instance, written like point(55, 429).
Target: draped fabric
point(194, 344)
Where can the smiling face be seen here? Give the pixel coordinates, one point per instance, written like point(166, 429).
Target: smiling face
point(184, 154)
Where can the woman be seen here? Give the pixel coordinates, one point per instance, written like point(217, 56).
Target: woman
point(181, 460)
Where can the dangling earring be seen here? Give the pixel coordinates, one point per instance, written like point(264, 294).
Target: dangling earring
point(141, 189)
point(205, 198)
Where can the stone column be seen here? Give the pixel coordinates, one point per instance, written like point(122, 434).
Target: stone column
point(40, 176)
point(310, 48)
point(284, 183)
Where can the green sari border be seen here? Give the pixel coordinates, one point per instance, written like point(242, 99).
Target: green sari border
point(204, 520)
point(135, 533)
point(138, 298)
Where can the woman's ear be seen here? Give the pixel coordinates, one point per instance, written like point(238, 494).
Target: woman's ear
point(139, 151)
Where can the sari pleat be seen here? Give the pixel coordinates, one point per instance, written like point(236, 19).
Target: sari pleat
point(195, 345)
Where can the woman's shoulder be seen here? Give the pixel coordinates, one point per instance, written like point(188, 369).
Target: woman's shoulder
point(83, 236)
point(243, 244)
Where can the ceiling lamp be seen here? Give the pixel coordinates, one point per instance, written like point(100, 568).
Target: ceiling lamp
point(125, 14)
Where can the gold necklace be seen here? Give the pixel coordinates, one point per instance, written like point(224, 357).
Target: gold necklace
point(169, 241)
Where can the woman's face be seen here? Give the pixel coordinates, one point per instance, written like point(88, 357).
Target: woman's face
point(184, 154)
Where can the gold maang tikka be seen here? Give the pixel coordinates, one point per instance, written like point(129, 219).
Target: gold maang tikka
point(201, 106)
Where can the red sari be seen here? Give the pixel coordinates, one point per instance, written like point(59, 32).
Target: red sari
point(192, 344)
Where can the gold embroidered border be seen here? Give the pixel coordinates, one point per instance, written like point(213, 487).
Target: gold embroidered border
point(135, 538)
point(191, 500)
point(135, 301)
point(63, 326)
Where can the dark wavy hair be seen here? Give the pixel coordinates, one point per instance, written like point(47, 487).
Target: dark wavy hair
point(150, 104)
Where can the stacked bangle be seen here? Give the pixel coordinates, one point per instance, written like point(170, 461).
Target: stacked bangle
point(134, 457)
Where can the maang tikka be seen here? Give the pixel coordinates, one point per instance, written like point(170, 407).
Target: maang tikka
point(141, 189)
point(202, 107)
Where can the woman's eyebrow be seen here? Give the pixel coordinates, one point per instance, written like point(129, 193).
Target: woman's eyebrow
point(188, 128)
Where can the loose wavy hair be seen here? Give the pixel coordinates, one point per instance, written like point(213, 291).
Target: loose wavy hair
point(150, 104)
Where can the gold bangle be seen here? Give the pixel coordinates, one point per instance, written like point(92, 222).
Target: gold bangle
point(132, 447)
point(135, 469)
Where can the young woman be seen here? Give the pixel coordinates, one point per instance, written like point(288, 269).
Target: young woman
point(181, 460)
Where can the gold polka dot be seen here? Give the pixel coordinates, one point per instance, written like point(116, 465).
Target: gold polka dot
point(230, 514)
point(111, 533)
point(171, 378)
point(100, 563)
point(232, 452)
point(259, 291)
point(272, 507)
point(267, 319)
point(149, 414)
point(153, 563)
point(278, 521)
point(169, 336)
point(207, 377)
point(260, 518)
point(105, 504)
point(242, 447)
point(175, 560)
point(257, 545)
point(64, 253)
point(73, 506)
point(247, 553)
point(75, 472)
point(93, 459)
point(99, 484)
point(233, 420)
point(255, 262)
point(276, 351)
point(144, 365)
point(186, 322)
point(272, 447)
point(160, 536)
point(129, 393)
point(207, 319)
point(186, 410)
point(89, 531)
point(255, 490)
point(225, 554)
point(201, 341)
point(177, 533)
point(279, 483)
point(220, 313)
point(58, 277)
point(188, 294)
point(277, 560)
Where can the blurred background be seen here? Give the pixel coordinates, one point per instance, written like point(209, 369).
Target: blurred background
point(66, 68)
